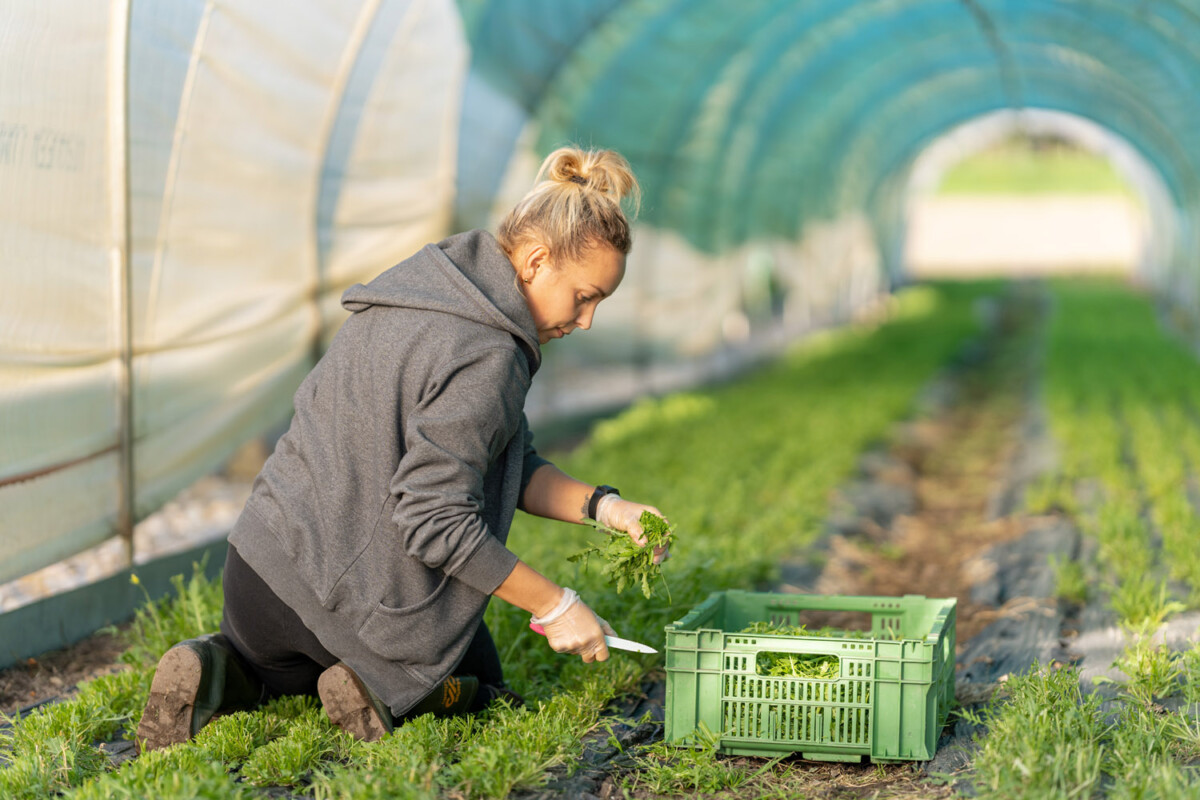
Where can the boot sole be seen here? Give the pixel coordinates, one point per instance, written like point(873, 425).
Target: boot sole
point(348, 705)
point(167, 719)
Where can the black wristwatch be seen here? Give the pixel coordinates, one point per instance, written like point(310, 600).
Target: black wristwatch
point(595, 499)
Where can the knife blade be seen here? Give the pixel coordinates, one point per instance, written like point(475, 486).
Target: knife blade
point(611, 641)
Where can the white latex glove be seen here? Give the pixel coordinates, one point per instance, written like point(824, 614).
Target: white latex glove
point(572, 627)
point(623, 515)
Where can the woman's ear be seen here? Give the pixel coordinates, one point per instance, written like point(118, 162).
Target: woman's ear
point(535, 258)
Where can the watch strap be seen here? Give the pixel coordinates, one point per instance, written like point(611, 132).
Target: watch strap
point(599, 492)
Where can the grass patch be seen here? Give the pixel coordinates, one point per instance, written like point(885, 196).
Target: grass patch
point(1015, 167)
point(290, 760)
point(53, 749)
point(1143, 754)
point(1190, 663)
point(665, 769)
point(1070, 582)
point(1045, 740)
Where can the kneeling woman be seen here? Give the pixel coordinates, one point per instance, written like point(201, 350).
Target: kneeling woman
point(375, 535)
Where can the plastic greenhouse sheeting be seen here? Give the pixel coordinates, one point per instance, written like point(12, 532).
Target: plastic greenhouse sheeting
point(193, 183)
point(190, 185)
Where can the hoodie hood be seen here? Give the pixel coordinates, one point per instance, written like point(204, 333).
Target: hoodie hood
point(467, 275)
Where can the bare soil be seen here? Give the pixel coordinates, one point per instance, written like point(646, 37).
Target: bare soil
point(955, 465)
point(55, 674)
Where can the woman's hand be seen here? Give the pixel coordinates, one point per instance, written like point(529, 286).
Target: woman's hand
point(572, 627)
point(623, 515)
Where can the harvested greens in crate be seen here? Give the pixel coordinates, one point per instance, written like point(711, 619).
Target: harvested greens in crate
point(745, 666)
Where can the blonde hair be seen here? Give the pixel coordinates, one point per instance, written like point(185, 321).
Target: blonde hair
point(575, 204)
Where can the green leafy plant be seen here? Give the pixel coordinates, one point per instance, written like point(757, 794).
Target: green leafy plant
point(1070, 581)
point(625, 562)
point(1152, 671)
point(1143, 605)
point(1190, 661)
point(291, 759)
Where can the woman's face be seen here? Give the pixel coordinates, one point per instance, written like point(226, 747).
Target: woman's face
point(563, 296)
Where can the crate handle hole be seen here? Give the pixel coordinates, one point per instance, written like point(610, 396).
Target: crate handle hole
point(809, 666)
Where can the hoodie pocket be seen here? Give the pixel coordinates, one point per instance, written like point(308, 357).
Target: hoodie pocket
point(420, 633)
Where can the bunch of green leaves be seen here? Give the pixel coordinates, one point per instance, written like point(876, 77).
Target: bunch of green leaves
point(799, 665)
point(805, 665)
point(627, 563)
point(826, 632)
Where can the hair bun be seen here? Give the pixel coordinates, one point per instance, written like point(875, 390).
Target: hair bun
point(603, 171)
point(576, 203)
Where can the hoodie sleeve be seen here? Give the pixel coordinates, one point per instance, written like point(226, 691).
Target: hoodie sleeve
point(530, 464)
point(464, 421)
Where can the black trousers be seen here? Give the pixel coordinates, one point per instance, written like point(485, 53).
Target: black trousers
point(286, 656)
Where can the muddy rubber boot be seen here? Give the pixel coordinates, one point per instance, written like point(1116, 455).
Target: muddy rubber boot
point(455, 695)
point(351, 706)
point(193, 681)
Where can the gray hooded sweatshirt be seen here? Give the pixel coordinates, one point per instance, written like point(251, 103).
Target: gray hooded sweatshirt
point(382, 515)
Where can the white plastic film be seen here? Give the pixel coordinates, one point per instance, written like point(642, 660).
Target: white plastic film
point(277, 153)
point(59, 332)
point(394, 191)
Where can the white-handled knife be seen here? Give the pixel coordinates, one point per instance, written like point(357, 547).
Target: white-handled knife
point(611, 641)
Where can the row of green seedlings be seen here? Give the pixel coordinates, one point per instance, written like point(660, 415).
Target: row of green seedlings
point(765, 495)
point(1047, 738)
point(1126, 455)
point(1125, 438)
point(1127, 435)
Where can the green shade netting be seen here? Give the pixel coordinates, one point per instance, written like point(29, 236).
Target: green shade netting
point(746, 119)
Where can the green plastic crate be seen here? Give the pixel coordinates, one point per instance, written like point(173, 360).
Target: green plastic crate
point(889, 702)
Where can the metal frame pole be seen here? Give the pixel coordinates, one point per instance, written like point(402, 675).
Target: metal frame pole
point(121, 238)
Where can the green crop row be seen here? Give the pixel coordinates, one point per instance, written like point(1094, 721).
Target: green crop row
point(1122, 397)
point(1123, 401)
point(744, 471)
point(1049, 739)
